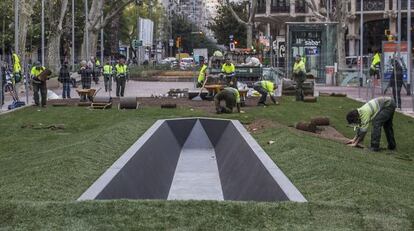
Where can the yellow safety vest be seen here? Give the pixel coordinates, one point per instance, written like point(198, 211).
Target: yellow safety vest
point(35, 72)
point(97, 63)
point(299, 67)
point(376, 60)
point(235, 93)
point(369, 110)
point(202, 74)
point(107, 70)
point(16, 64)
point(228, 69)
point(121, 69)
point(268, 86)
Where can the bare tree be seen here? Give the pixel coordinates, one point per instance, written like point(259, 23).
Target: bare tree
point(250, 21)
point(56, 11)
point(94, 23)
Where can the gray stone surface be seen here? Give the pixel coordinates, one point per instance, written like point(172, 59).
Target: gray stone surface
point(196, 176)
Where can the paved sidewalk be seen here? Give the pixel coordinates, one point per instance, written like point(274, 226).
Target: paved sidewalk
point(363, 95)
point(133, 88)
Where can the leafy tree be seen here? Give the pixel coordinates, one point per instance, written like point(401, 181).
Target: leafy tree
point(225, 24)
point(190, 36)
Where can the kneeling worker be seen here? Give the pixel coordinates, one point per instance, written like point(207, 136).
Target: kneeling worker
point(381, 112)
point(232, 98)
point(264, 87)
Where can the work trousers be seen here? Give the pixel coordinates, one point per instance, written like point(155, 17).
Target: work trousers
point(229, 99)
point(383, 119)
point(120, 86)
point(263, 94)
point(40, 87)
point(108, 82)
point(66, 90)
point(396, 94)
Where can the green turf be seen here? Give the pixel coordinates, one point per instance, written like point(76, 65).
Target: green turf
point(42, 172)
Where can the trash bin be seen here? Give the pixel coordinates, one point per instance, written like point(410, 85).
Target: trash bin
point(329, 73)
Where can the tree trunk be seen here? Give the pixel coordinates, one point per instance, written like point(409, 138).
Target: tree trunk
point(25, 13)
point(249, 34)
point(53, 52)
point(114, 36)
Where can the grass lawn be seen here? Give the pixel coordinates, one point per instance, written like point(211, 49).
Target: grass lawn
point(43, 172)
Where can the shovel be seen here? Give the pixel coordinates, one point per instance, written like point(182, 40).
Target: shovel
point(198, 97)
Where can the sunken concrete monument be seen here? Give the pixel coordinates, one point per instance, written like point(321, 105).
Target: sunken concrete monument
point(195, 159)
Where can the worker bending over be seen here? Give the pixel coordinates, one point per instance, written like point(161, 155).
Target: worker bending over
point(265, 87)
point(229, 69)
point(299, 75)
point(38, 85)
point(232, 98)
point(202, 74)
point(381, 112)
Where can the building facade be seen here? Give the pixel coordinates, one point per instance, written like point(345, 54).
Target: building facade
point(379, 16)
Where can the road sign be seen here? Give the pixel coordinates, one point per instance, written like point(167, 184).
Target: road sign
point(232, 46)
point(171, 42)
point(136, 43)
point(231, 36)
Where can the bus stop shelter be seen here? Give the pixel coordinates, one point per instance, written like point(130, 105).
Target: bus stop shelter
point(316, 43)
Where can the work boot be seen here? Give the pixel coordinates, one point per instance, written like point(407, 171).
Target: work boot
point(261, 103)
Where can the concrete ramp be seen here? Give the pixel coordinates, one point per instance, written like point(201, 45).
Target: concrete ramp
point(195, 159)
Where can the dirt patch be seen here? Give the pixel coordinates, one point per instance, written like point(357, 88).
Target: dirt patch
point(204, 105)
point(259, 125)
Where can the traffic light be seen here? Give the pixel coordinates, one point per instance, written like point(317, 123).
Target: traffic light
point(235, 43)
point(178, 42)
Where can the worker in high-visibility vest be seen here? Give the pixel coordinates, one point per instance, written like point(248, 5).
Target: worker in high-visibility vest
point(375, 64)
point(108, 71)
point(379, 111)
point(265, 87)
point(299, 75)
point(229, 70)
point(38, 85)
point(17, 69)
point(121, 70)
point(202, 74)
point(232, 98)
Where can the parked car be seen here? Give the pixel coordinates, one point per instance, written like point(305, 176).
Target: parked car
point(187, 63)
point(352, 61)
point(168, 60)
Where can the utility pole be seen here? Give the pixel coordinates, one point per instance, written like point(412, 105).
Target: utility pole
point(137, 53)
point(361, 48)
point(73, 35)
point(3, 46)
point(398, 49)
point(87, 30)
point(102, 37)
point(43, 33)
point(409, 62)
point(16, 26)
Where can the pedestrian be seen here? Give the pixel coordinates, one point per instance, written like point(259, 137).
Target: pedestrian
point(64, 78)
point(202, 74)
point(231, 96)
point(86, 77)
point(108, 71)
point(39, 85)
point(379, 111)
point(229, 70)
point(299, 76)
point(121, 77)
point(265, 87)
point(396, 81)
